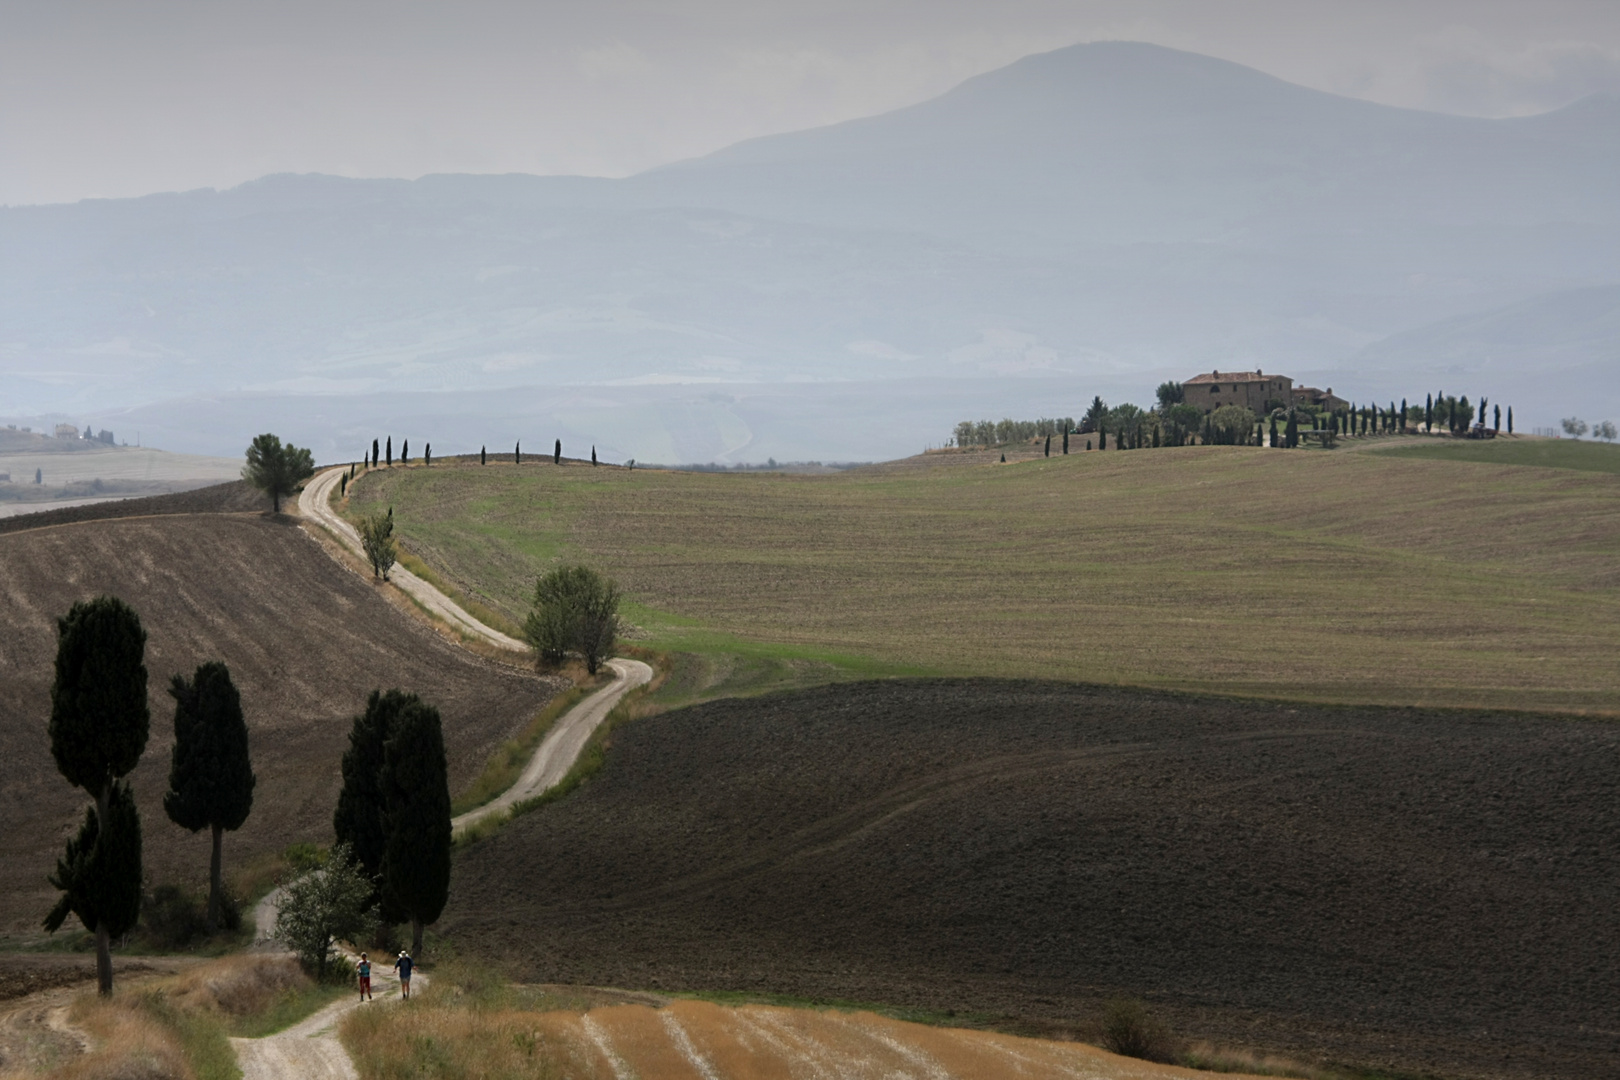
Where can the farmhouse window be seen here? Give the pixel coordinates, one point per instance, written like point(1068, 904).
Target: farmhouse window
point(1214, 389)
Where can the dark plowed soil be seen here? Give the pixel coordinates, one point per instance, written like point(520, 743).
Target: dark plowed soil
point(231, 498)
point(1428, 891)
point(305, 639)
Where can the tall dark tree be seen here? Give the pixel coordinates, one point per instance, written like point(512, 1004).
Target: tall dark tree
point(1273, 429)
point(210, 772)
point(390, 458)
point(1403, 416)
point(373, 453)
point(358, 819)
point(405, 452)
point(275, 469)
point(98, 728)
point(517, 452)
point(1497, 426)
point(1510, 419)
point(593, 454)
point(1102, 439)
point(427, 454)
point(416, 816)
point(1048, 447)
point(482, 458)
point(1065, 441)
point(343, 485)
point(100, 876)
point(556, 453)
point(1428, 414)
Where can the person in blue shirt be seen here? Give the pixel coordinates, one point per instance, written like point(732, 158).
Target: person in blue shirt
point(364, 968)
point(403, 965)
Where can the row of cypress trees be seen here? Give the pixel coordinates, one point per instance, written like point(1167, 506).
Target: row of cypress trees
point(98, 730)
point(387, 452)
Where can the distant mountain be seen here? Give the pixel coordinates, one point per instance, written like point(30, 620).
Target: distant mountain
point(1108, 213)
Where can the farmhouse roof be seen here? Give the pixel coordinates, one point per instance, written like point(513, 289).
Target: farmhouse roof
point(1228, 376)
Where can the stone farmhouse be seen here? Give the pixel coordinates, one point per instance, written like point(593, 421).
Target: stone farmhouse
point(1254, 390)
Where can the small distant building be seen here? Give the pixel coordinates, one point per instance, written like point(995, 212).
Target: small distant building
point(1325, 400)
point(67, 431)
point(1253, 390)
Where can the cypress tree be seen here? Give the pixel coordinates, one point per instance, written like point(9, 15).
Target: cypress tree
point(517, 453)
point(373, 453)
point(427, 454)
point(593, 453)
point(1155, 438)
point(1497, 426)
point(1403, 416)
point(1004, 459)
point(343, 485)
point(416, 794)
point(1049, 446)
point(1273, 429)
point(1428, 414)
point(405, 452)
point(98, 728)
point(358, 819)
point(1065, 442)
point(1102, 439)
point(556, 454)
point(390, 458)
point(1088, 441)
point(210, 772)
point(1510, 419)
point(482, 460)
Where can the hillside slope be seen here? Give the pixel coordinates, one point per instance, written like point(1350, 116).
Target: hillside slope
point(1427, 891)
point(306, 641)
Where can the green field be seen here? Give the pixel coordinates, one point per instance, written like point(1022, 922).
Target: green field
point(1542, 453)
point(1350, 577)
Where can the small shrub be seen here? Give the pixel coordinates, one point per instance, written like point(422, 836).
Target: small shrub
point(1130, 1030)
point(172, 917)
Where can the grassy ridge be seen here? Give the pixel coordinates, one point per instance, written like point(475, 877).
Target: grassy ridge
point(1541, 453)
point(1367, 577)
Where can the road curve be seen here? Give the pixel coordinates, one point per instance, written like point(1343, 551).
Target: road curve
point(315, 505)
point(562, 745)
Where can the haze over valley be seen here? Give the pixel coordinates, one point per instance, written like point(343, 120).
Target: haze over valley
point(1090, 220)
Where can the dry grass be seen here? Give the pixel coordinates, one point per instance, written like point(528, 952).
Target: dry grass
point(1342, 577)
point(127, 1043)
point(687, 1038)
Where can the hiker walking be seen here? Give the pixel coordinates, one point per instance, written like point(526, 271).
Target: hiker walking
point(364, 968)
point(403, 965)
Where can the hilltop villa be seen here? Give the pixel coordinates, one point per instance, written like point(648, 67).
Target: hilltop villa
point(1254, 390)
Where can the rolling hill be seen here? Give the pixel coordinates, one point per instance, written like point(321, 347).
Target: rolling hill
point(1421, 893)
point(1108, 214)
point(306, 641)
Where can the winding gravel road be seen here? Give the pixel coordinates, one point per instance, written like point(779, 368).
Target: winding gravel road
point(310, 1050)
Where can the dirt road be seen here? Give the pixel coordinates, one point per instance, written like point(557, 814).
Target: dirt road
point(314, 505)
point(310, 1050)
point(563, 743)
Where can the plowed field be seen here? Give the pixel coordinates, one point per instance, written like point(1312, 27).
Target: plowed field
point(306, 641)
point(1430, 891)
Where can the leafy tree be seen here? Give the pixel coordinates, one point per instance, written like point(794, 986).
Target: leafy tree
point(275, 469)
point(575, 609)
point(330, 904)
point(1170, 394)
point(377, 538)
point(210, 772)
point(1604, 431)
point(556, 454)
point(1231, 425)
point(1574, 426)
point(415, 785)
point(98, 728)
point(963, 434)
point(1096, 417)
point(1180, 423)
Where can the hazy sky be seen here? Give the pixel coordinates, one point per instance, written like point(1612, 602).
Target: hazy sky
point(126, 97)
